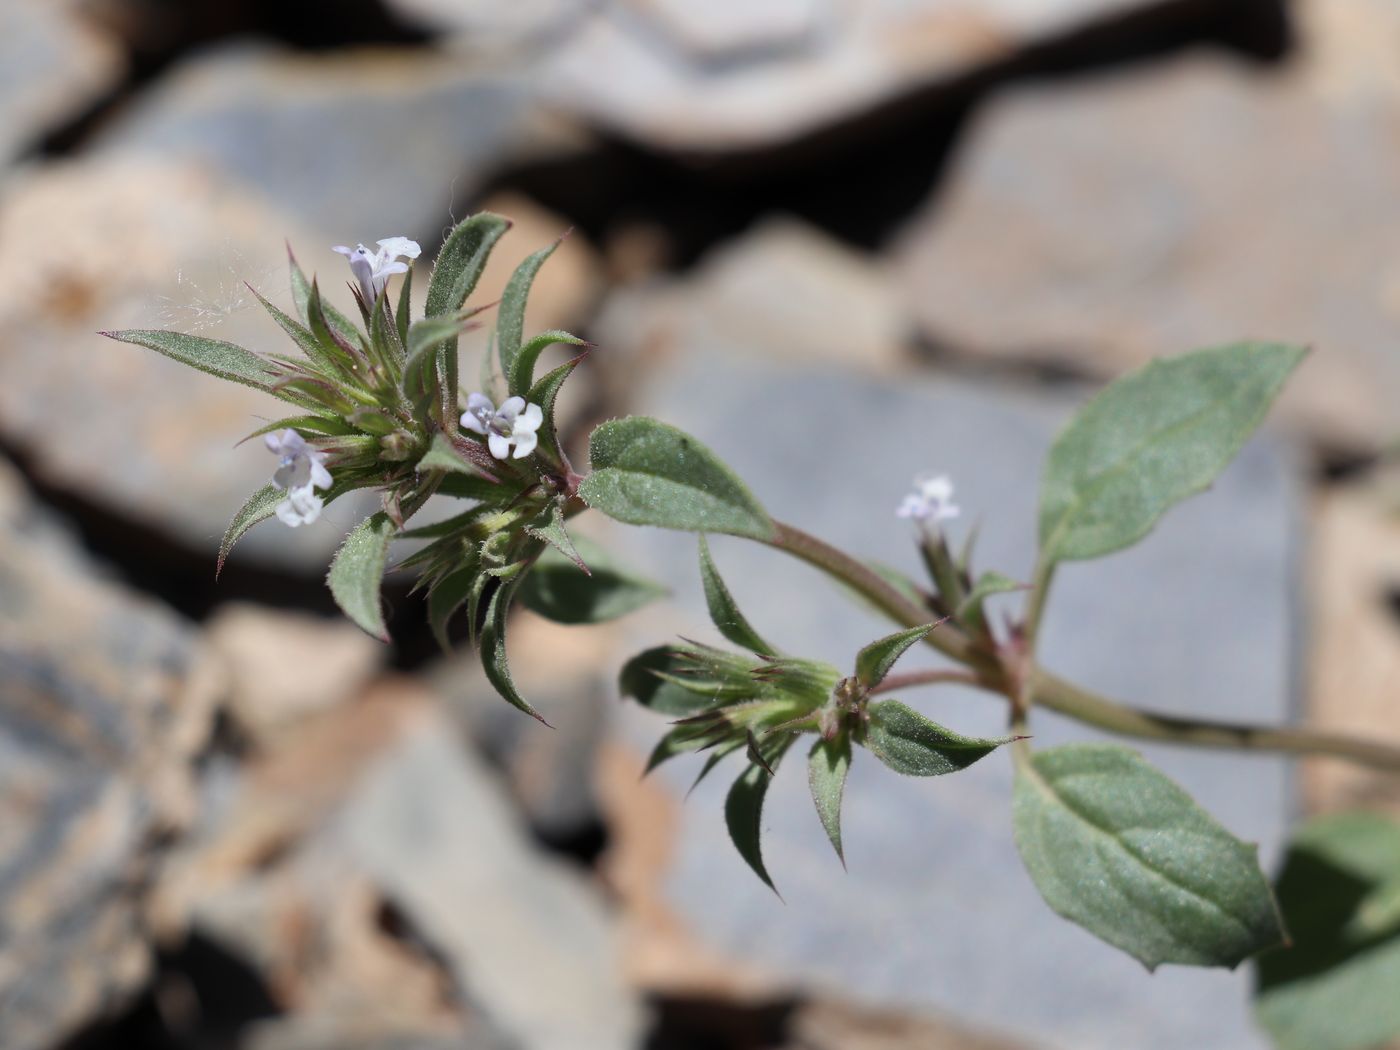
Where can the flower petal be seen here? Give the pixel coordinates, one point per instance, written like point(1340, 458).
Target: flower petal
point(470, 422)
point(393, 247)
point(530, 421)
point(511, 408)
point(499, 445)
point(477, 401)
point(525, 442)
point(320, 476)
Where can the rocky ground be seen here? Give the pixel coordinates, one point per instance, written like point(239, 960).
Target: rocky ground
point(230, 820)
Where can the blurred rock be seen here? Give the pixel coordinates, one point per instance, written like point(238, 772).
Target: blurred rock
point(563, 673)
point(107, 700)
point(526, 939)
point(1354, 657)
point(359, 145)
point(740, 76)
point(936, 912)
point(1100, 223)
point(783, 291)
point(284, 666)
point(53, 66)
point(127, 243)
point(373, 876)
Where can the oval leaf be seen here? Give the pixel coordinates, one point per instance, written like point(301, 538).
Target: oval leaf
point(827, 766)
point(649, 473)
point(1117, 847)
point(1150, 440)
point(911, 744)
point(723, 610)
point(560, 591)
point(357, 573)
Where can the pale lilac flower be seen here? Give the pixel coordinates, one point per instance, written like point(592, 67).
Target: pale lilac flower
point(514, 423)
point(931, 501)
point(373, 269)
point(301, 472)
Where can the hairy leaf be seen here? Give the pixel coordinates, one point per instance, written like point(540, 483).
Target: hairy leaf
point(1151, 439)
point(493, 648)
point(743, 809)
point(988, 584)
point(724, 612)
point(827, 766)
point(522, 370)
point(642, 680)
point(544, 393)
point(510, 319)
point(911, 744)
point(558, 590)
point(875, 660)
point(460, 261)
point(214, 356)
point(648, 473)
point(358, 572)
point(1115, 846)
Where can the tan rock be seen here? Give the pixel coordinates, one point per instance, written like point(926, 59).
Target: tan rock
point(125, 243)
point(1354, 660)
point(285, 666)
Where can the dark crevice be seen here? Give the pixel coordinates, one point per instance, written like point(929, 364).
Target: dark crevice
point(861, 178)
point(695, 1023)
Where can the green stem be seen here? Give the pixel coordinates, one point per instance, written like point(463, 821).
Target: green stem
point(1068, 699)
point(1092, 709)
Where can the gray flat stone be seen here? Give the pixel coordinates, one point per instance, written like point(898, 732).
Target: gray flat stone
point(526, 939)
point(105, 703)
point(52, 66)
point(733, 76)
point(361, 145)
point(1107, 221)
point(937, 912)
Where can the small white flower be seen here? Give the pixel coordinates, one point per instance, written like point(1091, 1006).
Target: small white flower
point(514, 423)
point(373, 269)
point(301, 472)
point(931, 501)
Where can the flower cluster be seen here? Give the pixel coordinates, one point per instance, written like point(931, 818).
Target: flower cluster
point(931, 501)
point(373, 269)
point(301, 470)
point(515, 424)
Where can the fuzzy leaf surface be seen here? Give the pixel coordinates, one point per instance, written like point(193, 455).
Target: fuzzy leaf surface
point(649, 473)
point(522, 369)
point(225, 360)
point(357, 573)
point(510, 319)
point(911, 744)
point(1118, 848)
point(827, 765)
point(1151, 439)
point(640, 680)
point(493, 648)
point(724, 612)
point(874, 661)
point(559, 590)
point(1336, 987)
point(743, 811)
point(460, 261)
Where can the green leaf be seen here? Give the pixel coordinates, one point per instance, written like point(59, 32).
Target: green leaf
point(325, 358)
point(827, 766)
point(1335, 988)
point(676, 742)
point(548, 526)
point(743, 810)
point(909, 743)
point(331, 426)
point(214, 356)
point(1151, 439)
point(493, 648)
point(510, 318)
point(445, 597)
point(988, 584)
point(301, 296)
point(404, 315)
point(522, 369)
point(261, 505)
point(641, 680)
point(1118, 848)
point(558, 590)
point(460, 262)
point(358, 571)
point(470, 486)
point(544, 393)
point(441, 455)
point(875, 660)
point(723, 610)
point(648, 473)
